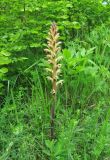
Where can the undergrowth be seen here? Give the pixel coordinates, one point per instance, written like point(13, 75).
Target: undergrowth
point(82, 123)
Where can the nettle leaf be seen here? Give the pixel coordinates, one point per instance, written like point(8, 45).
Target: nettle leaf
point(3, 70)
point(4, 60)
point(5, 53)
point(69, 5)
point(76, 25)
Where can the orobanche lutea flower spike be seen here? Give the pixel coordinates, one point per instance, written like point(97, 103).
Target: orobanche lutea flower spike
point(52, 50)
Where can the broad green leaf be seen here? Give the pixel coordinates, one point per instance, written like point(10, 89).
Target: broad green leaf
point(3, 70)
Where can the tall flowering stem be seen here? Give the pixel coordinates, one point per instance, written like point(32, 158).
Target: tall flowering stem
point(54, 70)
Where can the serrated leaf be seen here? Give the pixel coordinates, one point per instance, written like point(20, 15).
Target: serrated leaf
point(3, 70)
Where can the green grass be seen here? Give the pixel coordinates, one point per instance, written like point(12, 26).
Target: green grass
point(25, 132)
point(81, 134)
point(82, 121)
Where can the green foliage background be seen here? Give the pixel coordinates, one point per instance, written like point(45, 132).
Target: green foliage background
point(82, 110)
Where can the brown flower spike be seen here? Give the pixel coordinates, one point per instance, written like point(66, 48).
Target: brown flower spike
point(53, 48)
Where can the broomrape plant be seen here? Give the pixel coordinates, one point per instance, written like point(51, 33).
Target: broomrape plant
point(54, 69)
